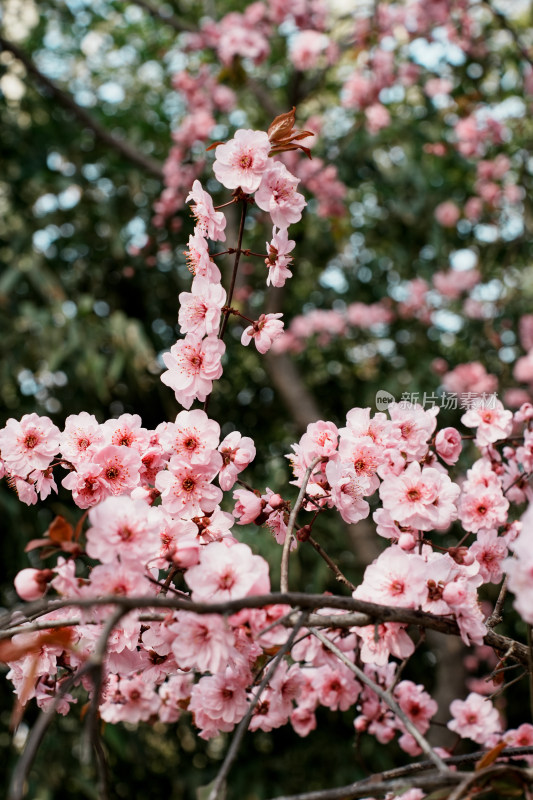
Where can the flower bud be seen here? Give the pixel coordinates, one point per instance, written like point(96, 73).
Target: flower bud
point(303, 534)
point(31, 584)
point(275, 501)
point(461, 555)
point(407, 541)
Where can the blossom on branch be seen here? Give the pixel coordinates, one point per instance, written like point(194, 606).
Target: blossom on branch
point(264, 332)
point(241, 162)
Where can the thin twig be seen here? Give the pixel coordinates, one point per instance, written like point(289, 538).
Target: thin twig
point(387, 698)
point(284, 579)
point(244, 723)
point(23, 765)
point(505, 686)
point(331, 564)
point(496, 616)
point(92, 667)
point(238, 251)
point(63, 99)
point(382, 783)
point(530, 668)
point(377, 787)
point(481, 776)
point(96, 661)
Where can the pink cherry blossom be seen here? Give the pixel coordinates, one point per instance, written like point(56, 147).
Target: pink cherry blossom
point(278, 260)
point(415, 425)
point(81, 437)
point(474, 718)
point(203, 642)
point(192, 436)
point(448, 445)
point(489, 550)
point(520, 568)
point(377, 117)
point(192, 366)
point(447, 214)
point(210, 223)
point(29, 444)
point(121, 468)
point(129, 699)
point(242, 161)
point(484, 508)
point(187, 487)
point(218, 702)
point(237, 452)
point(86, 484)
point(121, 527)
point(31, 584)
point(200, 309)
point(471, 377)
point(336, 688)
point(347, 491)
point(422, 498)
point(277, 194)
point(248, 506)
point(198, 259)
point(264, 332)
point(228, 572)
point(395, 578)
point(126, 431)
point(492, 423)
point(306, 48)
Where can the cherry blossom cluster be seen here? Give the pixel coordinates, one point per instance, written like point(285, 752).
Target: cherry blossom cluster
point(159, 522)
point(154, 510)
point(242, 165)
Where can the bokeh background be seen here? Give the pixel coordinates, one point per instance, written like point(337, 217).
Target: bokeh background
point(413, 258)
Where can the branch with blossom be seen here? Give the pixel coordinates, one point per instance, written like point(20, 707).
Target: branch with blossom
point(159, 539)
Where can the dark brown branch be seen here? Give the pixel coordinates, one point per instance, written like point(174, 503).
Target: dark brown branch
point(496, 616)
point(384, 778)
point(480, 777)
point(376, 786)
point(93, 668)
point(385, 782)
point(66, 101)
point(366, 614)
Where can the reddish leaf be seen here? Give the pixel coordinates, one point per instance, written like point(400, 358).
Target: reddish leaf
point(212, 146)
point(31, 643)
point(283, 134)
point(490, 757)
point(282, 125)
point(60, 530)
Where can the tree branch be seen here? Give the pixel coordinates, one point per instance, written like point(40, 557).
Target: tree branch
point(366, 614)
point(284, 581)
point(383, 782)
point(387, 698)
point(93, 668)
point(66, 101)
